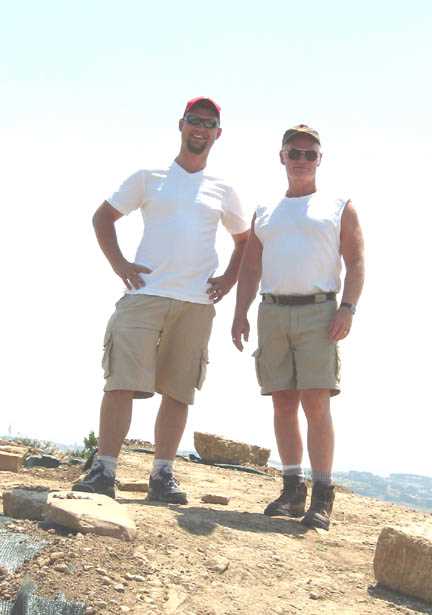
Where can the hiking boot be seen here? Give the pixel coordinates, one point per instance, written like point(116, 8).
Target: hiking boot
point(321, 506)
point(165, 488)
point(97, 481)
point(291, 501)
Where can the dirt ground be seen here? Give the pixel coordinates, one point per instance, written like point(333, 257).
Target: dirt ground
point(203, 559)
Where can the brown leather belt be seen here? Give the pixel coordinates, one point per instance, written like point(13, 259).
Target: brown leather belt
point(298, 299)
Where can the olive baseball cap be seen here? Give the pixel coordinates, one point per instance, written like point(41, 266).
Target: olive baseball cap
point(300, 129)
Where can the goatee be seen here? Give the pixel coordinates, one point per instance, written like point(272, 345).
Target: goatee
point(196, 149)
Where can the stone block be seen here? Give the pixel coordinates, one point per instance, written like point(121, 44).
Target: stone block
point(25, 503)
point(403, 560)
point(216, 449)
point(10, 462)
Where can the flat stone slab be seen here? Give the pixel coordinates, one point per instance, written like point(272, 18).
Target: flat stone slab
point(90, 513)
point(25, 502)
point(10, 462)
point(126, 484)
point(403, 560)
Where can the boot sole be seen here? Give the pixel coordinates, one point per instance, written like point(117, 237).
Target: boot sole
point(167, 499)
point(79, 489)
point(293, 515)
point(315, 523)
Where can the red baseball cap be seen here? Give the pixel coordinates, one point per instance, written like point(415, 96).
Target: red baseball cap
point(198, 99)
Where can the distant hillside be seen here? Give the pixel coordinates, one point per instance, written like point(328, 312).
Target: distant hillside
point(408, 489)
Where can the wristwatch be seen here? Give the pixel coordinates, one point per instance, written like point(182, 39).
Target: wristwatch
point(350, 306)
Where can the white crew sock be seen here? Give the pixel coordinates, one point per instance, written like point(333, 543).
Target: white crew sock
point(109, 463)
point(294, 470)
point(321, 477)
point(159, 464)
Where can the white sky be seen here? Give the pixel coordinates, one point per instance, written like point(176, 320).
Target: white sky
point(92, 91)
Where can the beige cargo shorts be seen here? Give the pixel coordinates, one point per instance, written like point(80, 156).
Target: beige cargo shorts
point(156, 344)
point(294, 349)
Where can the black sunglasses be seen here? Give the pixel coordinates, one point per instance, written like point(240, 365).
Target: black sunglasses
point(295, 154)
point(205, 122)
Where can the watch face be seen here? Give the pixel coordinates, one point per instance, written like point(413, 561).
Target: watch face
point(350, 306)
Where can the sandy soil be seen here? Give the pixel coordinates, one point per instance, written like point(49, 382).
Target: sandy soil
point(203, 559)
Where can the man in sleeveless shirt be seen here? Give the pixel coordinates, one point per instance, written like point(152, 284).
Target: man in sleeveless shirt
point(295, 248)
point(156, 340)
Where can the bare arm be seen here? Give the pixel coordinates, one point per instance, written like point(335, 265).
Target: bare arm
point(250, 275)
point(352, 251)
point(104, 220)
point(221, 285)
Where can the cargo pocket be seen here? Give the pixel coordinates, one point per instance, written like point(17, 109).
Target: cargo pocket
point(202, 370)
point(257, 355)
point(106, 358)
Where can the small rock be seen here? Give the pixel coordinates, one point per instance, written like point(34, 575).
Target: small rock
point(106, 581)
point(102, 571)
point(215, 499)
point(124, 609)
point(217, 564)
point(139, 578)
point(56, 556)
point(61, 568)
point(119, 587)
point(126, 484)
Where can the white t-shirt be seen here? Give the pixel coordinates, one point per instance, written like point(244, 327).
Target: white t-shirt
point(181, 212)
point(301, 244)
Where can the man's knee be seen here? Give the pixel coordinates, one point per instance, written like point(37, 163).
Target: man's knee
point(316, 403)
point(117, 397)
point(286, 402)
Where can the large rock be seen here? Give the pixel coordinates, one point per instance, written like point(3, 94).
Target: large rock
point(10, 462)
point(42, 461)
point(25, 502)
point(90, 513)
point(220, 450)
point(403, 560)
point(17, 450)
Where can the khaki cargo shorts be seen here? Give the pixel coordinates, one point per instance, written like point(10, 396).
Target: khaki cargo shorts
point(156, 344)
point(294, 349)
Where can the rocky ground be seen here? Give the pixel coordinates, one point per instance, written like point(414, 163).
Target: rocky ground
point(209, 559)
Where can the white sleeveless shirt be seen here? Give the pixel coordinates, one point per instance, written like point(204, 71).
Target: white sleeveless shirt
point(301, 244)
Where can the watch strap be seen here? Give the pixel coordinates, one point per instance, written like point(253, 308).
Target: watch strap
point(350, 306)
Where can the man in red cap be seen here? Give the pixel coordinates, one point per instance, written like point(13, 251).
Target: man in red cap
point(156, 340)
point(295, 249)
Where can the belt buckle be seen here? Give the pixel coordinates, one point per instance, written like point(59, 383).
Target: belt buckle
point(320, 298)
